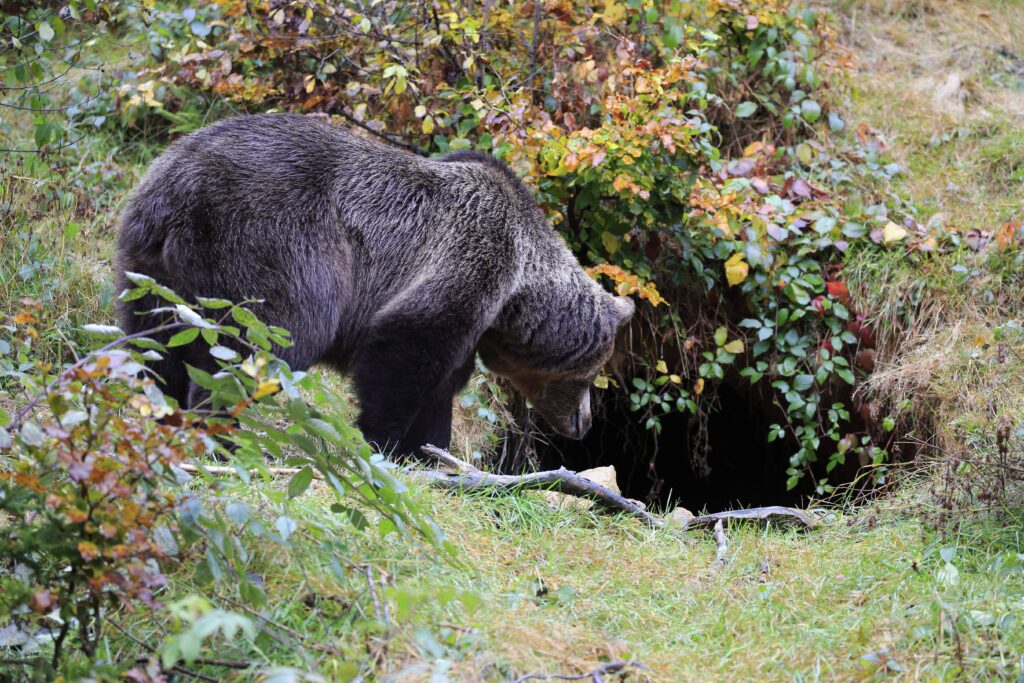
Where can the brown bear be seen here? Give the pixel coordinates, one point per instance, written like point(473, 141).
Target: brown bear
point(391, 267)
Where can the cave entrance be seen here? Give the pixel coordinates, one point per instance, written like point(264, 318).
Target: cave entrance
point(719, 461)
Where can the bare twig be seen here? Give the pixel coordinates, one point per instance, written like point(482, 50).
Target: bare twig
point(384, 136)
point(596, 675)
point(146, 646)
point(382, 615)
point(721, 542)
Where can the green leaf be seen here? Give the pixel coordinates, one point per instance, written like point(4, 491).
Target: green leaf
point(286, 526)
point(43, 133)
point(184, 337)
point(213, 303)
point(300, 482)
point(110, 331)
point(810, 110)
point(803, 382)
point(322, 429)
point(193, 318)
point(45, 31)
point(745, 109)
point(238, 512)
point(721, 334)
point(846, 375)
point(223, 353)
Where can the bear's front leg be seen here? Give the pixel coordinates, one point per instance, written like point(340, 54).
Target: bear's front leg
point(405, 379)
point(433, 424)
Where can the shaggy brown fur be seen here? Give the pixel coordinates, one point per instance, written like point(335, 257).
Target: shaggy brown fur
point(393, 268)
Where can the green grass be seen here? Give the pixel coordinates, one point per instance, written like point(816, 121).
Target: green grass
point(563, 591)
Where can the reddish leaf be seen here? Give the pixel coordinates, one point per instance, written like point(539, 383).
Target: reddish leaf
point(838, 290)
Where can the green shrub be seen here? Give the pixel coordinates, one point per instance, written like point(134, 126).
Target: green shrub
point(91, 486)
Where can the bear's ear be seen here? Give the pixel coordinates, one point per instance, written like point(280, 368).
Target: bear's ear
point(622, 309)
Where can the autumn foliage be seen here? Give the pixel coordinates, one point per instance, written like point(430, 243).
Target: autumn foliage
point(677, 146)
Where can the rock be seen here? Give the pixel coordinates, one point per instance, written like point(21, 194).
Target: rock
point(950, 97)
point(605, 476)
point(680, 516)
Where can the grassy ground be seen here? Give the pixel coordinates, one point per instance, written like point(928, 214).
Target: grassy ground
point(877, 592)
point(868, 596)
point(944, 81)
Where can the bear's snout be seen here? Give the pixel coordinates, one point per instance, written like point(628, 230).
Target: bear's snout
point(582, 419)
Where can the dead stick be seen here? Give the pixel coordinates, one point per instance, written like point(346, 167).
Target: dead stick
point(225, 663)
point(721, 542)
point(449, 459)
point(470, 478)
point(561, 480)
point(762, 513)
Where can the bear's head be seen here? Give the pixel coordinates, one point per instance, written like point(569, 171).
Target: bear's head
point(557, 368)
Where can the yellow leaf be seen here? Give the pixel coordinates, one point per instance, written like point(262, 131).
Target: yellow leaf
point(477, 104)
point(893, 233)
point(24, 318)
point(601, 381)
point(420, 111)
point(610, 242)
point(661, 367)
point(621, 182)
point(428, 125)
point(735, 347)
point(266, 387)
point(698, 387)
point(736, 269)
point(722, 223)
point(753, 148)
point(613, 12)
point(249, 368)
point(675, 379)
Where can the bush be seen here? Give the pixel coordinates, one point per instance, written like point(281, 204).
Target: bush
point(91, 492)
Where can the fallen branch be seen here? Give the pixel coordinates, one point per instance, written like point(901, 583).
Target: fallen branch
point(596, 675)
point(762, 513)
point(205, 661)
point(467, 477)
